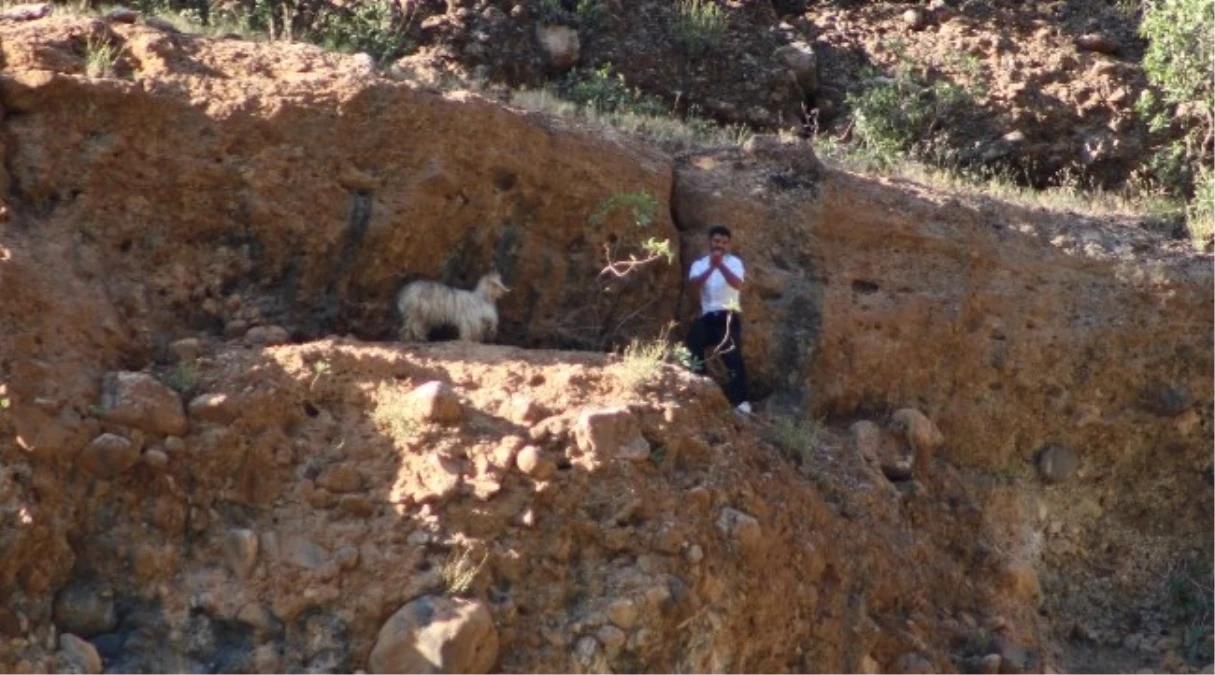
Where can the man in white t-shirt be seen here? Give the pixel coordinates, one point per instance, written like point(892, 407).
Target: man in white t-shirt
point(718, 277)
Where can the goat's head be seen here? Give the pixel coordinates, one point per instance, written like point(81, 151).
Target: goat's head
point(491, 286)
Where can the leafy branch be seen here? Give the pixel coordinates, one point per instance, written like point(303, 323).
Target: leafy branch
point(655, 249)
point(641, 208)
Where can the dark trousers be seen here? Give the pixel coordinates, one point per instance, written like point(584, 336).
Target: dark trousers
point(709, 333)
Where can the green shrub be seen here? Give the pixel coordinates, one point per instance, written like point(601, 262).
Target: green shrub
point(643, 359)
point(642, 208)
point(699, 26)
point(1191, 604)
point(584, 14)
point(607, 92)
point(798, 437)
point(100, 57)
point(1170, 165)
point(1200, 212)
point(377, 27)
point(1180, 109)
point(898, 116)
point(1179, 57)
point(641, 205)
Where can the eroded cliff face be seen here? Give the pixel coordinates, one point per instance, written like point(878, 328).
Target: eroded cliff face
point(250, 505)
point(604, 526)
point(317, 188)
point(1019, 332)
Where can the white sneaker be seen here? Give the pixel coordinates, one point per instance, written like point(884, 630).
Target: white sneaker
point(745, 406)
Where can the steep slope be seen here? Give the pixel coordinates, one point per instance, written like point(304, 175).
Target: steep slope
point(277, 503)
point(314, 175)
point(705, 550)
point(1045, 91)
point(1019, 333)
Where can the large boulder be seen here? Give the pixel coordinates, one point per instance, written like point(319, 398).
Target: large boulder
point(85, 610)
point(138, 400)
point(80, 654)
point(434, 401)
point(436, 634)
point(109, 455)
point(920, 431)
point(884, 449)
point(611, 432)
point(46, 434)
point(802, 62)
point(560, 44)
point(1057, 463)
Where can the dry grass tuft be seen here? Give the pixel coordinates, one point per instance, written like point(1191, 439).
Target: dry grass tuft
point(460, 572)
point(391, 414)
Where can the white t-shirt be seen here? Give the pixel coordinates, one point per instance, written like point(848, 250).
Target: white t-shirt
point(717, 293)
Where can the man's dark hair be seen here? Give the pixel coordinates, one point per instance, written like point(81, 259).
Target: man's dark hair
point(720, 229)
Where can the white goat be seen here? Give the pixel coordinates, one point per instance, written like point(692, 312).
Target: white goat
point(426, 305)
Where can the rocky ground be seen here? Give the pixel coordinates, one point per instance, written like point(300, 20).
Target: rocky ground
point(300, 497)
point(1051, 85)
point(215, 458)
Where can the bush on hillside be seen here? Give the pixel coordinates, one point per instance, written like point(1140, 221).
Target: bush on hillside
point(895, 117)
point(377, 27)
point(1180, 108)
point(607, 92)
point(1180, 56)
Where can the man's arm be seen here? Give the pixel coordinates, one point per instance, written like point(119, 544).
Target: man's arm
point(698, 280)
point(735, 280)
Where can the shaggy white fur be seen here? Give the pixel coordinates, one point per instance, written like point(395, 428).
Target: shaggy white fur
point(425, 305)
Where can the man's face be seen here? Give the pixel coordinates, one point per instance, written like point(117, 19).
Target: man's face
point(719, 244)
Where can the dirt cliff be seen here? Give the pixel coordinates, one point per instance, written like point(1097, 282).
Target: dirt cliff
point(310, 173)
point(1017, 332)
point(215, 459)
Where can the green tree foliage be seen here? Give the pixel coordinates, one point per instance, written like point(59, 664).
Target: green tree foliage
point(901, 116)
point(377, 27)
point(1180, 57)
point(1179, 62)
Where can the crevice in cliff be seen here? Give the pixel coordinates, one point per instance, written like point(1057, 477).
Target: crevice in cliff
point(680, 228)
point(327, 311)
point(10, 186)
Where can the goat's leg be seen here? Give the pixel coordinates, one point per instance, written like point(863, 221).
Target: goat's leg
point(413, 331)
point(470, 332)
